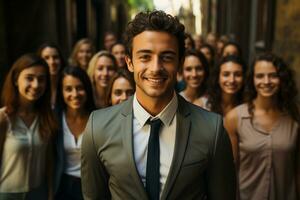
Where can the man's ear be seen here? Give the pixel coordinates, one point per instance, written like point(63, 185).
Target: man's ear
point(129, 63)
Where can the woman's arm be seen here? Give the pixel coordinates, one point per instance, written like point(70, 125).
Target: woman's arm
point(230, 124)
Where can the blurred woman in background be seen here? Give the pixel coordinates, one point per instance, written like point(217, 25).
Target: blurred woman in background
point(51, 53)
point(27, 129)
point(101, 68)
point(189, 42)
point(231, 48)
point(195, 74)
point(119, 51)
point(209, 53)
point(226, 85)
point(82, 53)
point(120, 88)
point(75, 102)
point(264, 133)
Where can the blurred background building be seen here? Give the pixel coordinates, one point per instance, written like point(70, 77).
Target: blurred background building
point(258, 25)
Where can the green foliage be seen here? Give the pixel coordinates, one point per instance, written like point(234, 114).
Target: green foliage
point(141, 5)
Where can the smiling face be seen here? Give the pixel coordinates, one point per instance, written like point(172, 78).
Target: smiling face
point(266, 80)
point(31, 83)
point(74, 93)
point(154, 64)
point(231, 78)
point(193, 72)
point(51, 56)
point(84, 55)
point(121, 90)
point(104, 70)
point(118, 51)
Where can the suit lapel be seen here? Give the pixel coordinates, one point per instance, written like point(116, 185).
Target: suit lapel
point(126, 127)
point(182, 135)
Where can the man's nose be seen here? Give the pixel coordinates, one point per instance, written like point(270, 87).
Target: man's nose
point(156, 64)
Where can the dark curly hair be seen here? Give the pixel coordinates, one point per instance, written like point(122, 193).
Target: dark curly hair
point(154, 21)
point(215, 92)
point(203, 60)
point(286, 96)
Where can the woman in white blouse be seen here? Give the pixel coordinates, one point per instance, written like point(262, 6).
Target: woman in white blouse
point(75, 102)
point(27, 129)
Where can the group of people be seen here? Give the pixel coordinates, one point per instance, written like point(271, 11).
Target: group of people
point(143, 119)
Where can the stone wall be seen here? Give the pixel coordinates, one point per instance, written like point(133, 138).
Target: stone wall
point(287, 34)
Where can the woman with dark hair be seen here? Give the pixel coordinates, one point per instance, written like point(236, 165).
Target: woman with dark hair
point(189, 42)
point(121, 87)
point(209, 53)
point(51, 53)
point(27, 129)
point(102, 67)
point(264, 133)
point(82, 53)
point(119, 51)
point(195, 74)
point(226, 85)
point(75, 102)
point(224, 39)
point(231, 48)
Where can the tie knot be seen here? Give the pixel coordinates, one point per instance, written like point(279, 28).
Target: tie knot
point(156, 123)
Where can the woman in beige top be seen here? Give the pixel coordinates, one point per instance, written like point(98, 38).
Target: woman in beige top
point(265, 133)
point(26, 157)
point(195, 75)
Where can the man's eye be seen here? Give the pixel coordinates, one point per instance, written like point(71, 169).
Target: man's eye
point(167, 58)
point(144, 57)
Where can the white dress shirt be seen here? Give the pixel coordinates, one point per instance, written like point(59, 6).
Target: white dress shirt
point(167, 134)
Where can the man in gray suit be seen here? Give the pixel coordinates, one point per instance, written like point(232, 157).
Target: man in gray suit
point(156, 145)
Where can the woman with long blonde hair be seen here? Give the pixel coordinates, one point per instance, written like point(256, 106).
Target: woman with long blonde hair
point(102, 67)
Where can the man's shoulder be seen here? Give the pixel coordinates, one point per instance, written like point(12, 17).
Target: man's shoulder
point(198, 112)
point(107, 115)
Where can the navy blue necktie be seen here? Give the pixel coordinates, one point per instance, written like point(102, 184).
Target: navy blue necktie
point(153, 162)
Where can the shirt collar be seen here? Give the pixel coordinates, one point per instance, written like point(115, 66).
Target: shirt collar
point(166, 115)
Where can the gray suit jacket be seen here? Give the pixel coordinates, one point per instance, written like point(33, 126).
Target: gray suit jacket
point(202, 165)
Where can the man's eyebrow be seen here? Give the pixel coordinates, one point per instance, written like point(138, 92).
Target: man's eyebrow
point(169, 52)
point(149, 51)
point(144, 51)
